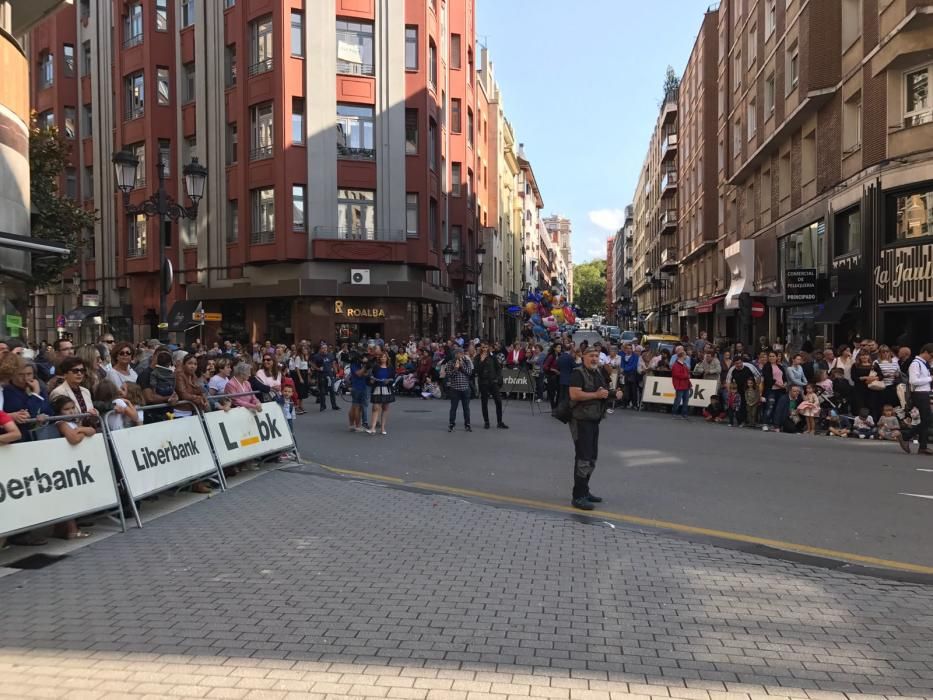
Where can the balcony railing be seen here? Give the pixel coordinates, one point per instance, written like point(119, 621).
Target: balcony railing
point(135, 112)
point(261, 153)
point(669, 181)
point(358, 233)
point(668, 221)
point(356, 153)
point(263, 66)
point(349, 68)
point(668, 145)
point(132, 41)
point(258, 237)
point(668, 259)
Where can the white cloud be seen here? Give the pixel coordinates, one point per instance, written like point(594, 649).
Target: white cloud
point(607, 219)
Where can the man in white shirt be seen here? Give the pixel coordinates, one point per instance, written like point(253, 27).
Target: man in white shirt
point(918, 376)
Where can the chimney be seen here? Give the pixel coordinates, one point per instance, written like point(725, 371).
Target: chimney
point(521, 150)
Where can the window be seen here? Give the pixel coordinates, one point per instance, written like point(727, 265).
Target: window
point(470, 127)
point(470, 65)
point(808, 158)
point(87, 185)
point(233, 221)
point(70, 119)
point(233, 143)
point(355, 48)
point(432, 144)
point(135, 89)
point(191, 148)
point(784, 178)
point(139, 152)
point(770, 18)
point(804, 247)
point(847, 232)
point(68, 61)
point(910, 214)
point(187, 13)
point(46, 69)
point(85, 9)
point(261, 45)
point(230, 65)
point(411, 131)
point(298, 120)
point(162, 85)
point(188, 232)
point(298, 207)
point(442, 112)
point(469, 187)
point(456, 235)
point(86, 58)
point(229, 3)
point(133, 25)
point(298, 33)
point(851, 22)
point(764, 196)
point(355, 135)
point(187, 83)
point(432, 64)
point(737, 139)
point(455, 51)
point(87, 119)
point(752, 46)
point(456, 177)
point(263, 215)
point(411, 215)
point(852, 124)
point(434, 231)
point(411, 48)
point(71, 183)
point(261, 130)
point(356, 214)
point(917, 107)
point(136, 236)
point(769, 96)
point(792, 66)
point(737, 71)
point(456, 124)
point(751, 118)
point(165, 155)
point(161, 15)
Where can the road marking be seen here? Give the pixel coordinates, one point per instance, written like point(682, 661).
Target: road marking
point(652, 523)
point(916, 495)
point(925, 470)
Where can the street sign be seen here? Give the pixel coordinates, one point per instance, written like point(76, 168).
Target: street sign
point(60, 321)
point(214, 317)
point(162, 326)
point(758, 309)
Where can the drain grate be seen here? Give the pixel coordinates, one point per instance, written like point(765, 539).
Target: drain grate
point(37, 561)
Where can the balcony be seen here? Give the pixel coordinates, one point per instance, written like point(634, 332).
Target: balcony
point(260, 237)
point(669, 183)
point(355, 153)
point(668, 222)
point(668, 260)
point(350, 68)
point(668, 145)
point(131, 41)
point(261, 153)
point(669, 108)
point(356, 233)
point(263, 66)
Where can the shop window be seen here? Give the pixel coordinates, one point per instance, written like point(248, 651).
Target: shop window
point(847, 233)
point(910, 214)
point(804, 248)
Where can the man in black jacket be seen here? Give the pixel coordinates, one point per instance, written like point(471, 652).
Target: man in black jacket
point(489, 377)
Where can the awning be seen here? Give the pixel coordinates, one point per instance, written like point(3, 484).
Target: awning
point(835, 309)
point(708, 306)
point(651, 315)
point(79, 314)
point(36, 246)
point(181, 316)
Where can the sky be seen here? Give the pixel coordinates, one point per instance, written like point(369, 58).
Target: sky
point(581, 84)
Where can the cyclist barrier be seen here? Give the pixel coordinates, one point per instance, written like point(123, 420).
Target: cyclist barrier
point(50, 481)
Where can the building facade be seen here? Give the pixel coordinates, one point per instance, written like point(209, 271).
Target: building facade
point(561, 230)
point(623, 258)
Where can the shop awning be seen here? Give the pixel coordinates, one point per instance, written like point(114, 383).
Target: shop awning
point(181, 316)
point(834, 309)
point(28, 244)
point(708, 306)
point(81, 313)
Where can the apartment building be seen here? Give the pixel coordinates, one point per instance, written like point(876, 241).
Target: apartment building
point(529, 214)
point(342, 196)
point(561, 230)
point(623, 258)
point(611, 305)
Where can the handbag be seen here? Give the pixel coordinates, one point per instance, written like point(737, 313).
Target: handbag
point(563, 411)
point(875, 384)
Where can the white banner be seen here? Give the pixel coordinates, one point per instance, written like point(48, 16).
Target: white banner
point(239, 434)
point(661, 390)
point(72, 480)
point(159, 455)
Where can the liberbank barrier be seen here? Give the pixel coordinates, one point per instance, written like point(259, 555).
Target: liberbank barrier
point(50, 481)
point(661, 390)
point(517, 381)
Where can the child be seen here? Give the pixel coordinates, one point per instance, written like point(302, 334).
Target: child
point(734, 406)
point(74, 434)
point(134, 394)
point(714, 413)
point(288, 408)
point(864, 425)
point(124, 413)
point(889, 428)
point(752, 399)
point(809, 408)
point(836, 426)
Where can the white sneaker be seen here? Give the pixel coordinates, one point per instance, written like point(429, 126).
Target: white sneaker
point(609, 411)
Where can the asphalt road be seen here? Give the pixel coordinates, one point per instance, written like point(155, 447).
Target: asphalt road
point(828, 493)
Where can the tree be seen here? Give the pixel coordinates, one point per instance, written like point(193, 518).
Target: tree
point(57, 218)
point(671, 81)
point(589, 287)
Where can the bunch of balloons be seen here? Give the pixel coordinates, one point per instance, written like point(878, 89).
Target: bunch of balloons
point(549, 314)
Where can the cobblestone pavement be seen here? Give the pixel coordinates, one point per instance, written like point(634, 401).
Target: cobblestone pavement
point(299, 585)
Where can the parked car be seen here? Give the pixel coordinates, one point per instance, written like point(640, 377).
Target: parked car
point(592, 337)
point(658, 342)
point(629, 336)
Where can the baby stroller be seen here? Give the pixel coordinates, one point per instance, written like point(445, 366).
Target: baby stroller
point(833, 405)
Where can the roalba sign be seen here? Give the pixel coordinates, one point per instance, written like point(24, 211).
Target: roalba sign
point(661, 390)
point(239, 434)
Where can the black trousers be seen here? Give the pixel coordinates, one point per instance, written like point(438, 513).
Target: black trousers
point(920, 399)
point(553, 385)
point(630, 385)
point(459, 397)
point(485, 391)
point(585, 434)
point(325, 388)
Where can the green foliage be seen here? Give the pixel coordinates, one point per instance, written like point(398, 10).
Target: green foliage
point(671, 81)
point(57, 218)
point(589, 287)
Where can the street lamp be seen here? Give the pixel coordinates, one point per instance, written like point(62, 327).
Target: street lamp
point(161, 205)
point(480, 256)
point(448, 254)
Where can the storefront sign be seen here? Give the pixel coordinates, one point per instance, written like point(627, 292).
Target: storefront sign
point(340, 309)
point(905, 275)
point(800, 286)
point(661, 390)
point(13, 322)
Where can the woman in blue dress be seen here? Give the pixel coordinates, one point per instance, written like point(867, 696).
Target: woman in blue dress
point(382, 380)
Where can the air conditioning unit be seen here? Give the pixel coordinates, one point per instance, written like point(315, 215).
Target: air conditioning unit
point(359, 276)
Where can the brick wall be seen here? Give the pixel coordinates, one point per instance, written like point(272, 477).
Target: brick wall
point(829, 144)
point(822, 59)
point(874, 117)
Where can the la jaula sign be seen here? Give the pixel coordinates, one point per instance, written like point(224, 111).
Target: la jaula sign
point(340, 309)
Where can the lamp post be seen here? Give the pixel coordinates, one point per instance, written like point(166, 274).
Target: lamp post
point(163, 206)
point(480, 257)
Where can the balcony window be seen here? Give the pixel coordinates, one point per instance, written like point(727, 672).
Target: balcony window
point(46, 119)
point(848, 233)
point(298, 33)
point(910, 214)
point(261, 131)
point(263, 215)
point(455, 51)
point(432, 64)
point(770, 17)
point(135, 91)
point(261, 45)
point(432, 144)
point(233, 143)
point(162, 85)
point(411, 131)
point(470, 127)
point(87, 119)
point(852, 124)
point(752, 46)
point(187, 83)
point(136, 236)
point(161, 15)
point(70, 119)
point(187, 13)
point(356, 214)
point(46, 70)
point(233, 221)
point(230, 65)
point(851, 22)
point(86, 58)
point(298, 121)
point(355, 48)
point(139, 152)
point(456, 178)
point(411, 215)
point(298, 207)
point(355, 137)
point(411, 48)
point(133, 25)
point(165, 155)
point(68, 61)
point(792, 66)
point(456, 123)
point(769, 96)
point(917, 107)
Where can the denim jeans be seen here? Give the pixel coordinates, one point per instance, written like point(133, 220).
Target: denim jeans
point(681, 402)
point(459, 397)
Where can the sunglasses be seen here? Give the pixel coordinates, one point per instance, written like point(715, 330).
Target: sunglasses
point(128, 353)
point(110, 342)
point(77, 370)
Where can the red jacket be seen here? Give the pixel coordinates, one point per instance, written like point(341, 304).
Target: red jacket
point(680, 376)
point(515, 357)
